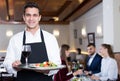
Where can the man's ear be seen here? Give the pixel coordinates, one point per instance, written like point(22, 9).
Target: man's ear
point(23, 17)
point(40, 18)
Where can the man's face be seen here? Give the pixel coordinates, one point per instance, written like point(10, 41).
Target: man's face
point(32, 17)
point(91, 50)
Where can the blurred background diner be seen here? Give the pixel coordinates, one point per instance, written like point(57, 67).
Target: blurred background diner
point(109, 69)
point(71, 21)
point(67, 73)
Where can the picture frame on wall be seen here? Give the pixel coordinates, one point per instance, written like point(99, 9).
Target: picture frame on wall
point(91, 38)
point(80, 40)
point(75, 33)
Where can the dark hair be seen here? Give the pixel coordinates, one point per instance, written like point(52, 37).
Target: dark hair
point(31, 5)
point(91, 44)
point(78, 50)
point(64, 47)
point(109, 48)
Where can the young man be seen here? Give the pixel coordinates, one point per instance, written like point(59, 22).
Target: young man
point(43, 44)
point(93, 62)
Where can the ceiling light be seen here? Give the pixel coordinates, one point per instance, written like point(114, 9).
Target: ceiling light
point(7, 18)
point(80, 1)
point(56, 18)
point(11, 12)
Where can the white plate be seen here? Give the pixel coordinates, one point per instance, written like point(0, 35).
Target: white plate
point(33, 67)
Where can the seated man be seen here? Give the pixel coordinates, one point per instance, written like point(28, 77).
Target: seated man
point(93, 61)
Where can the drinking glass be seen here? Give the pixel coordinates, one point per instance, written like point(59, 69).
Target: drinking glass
point(74, 66)
point(90, 73)
point(81, 66)
point(26, 52)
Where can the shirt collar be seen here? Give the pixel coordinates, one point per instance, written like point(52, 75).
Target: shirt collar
point(92, 56)
point(30, 38)
point(37, 32)
point(106, 57)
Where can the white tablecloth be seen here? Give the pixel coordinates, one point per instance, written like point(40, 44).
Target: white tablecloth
point(82, 78)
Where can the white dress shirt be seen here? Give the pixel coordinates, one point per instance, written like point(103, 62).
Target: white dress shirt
point(91, 59)
point(109, 69)
point(15, 47)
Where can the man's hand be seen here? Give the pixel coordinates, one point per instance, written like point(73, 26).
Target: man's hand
point(93, 77)
point(15, 64)
point(78, 72)
point(86, 72)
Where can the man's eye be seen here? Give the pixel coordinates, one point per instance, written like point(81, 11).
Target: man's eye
point(27, 14)
point(90, 48)
point(35, 15)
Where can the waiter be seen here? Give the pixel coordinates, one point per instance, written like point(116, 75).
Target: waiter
point(43, 44)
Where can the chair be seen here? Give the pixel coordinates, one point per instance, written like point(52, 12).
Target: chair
point(5, 76)
point(118, 78)
point(72, 56)
point(117, 57)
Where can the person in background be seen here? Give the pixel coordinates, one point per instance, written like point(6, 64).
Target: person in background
point(63, 74)
point(93, 61)
point(78, 51)
point(80, 57)
point(109, 69)
point(44, 47)
point(72, 56)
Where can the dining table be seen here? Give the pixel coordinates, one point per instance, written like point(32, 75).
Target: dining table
point(82, 78)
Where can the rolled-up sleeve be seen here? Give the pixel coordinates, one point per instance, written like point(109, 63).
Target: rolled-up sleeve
point(12, 54)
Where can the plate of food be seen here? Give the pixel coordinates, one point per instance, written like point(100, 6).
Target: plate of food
point(42, 66)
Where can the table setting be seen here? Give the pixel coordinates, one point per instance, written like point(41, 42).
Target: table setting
point(82, 78)
point(37, 66)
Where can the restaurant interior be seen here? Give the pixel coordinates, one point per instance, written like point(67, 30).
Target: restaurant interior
point(73, 22)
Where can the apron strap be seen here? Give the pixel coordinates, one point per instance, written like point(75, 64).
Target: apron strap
point(24, 37)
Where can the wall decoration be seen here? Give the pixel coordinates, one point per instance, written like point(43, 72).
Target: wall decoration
point(75, 33)
point(80, 41)
point(91, 38)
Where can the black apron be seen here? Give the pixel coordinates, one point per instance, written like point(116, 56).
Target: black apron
point(38, 55)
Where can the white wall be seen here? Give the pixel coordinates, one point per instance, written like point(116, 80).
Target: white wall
point(63, 38)
point(4, 40)
point(111, 18)
point(116, 25)
point(90, 20)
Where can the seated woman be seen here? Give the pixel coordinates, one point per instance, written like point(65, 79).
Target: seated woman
point(109, 69)
point(63, 74)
